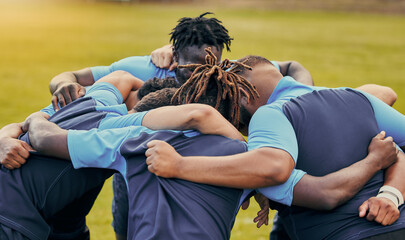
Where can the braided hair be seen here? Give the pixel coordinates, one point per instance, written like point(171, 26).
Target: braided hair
point(199, 31)
point(217, 85)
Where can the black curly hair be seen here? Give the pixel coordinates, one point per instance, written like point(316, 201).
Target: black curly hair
point(156, 84)
point(156, 99)
point(199, 31)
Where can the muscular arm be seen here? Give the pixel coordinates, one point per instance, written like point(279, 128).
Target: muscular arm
point(296, 71)
point(385, 94)
point(68, 86)
point(48, 138)
point(257, 168)
point(201, 117)
point(12, 130)
point(163, 57)
point(384, 207)
point(394, 175)
point(126, 84)
point(14, 152)
point(334, 189)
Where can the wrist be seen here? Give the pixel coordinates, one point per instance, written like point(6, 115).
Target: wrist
point(373, 162)
point(180, 167)
point(391, 193)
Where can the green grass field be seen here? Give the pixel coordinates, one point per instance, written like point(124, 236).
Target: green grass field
point(41, 40)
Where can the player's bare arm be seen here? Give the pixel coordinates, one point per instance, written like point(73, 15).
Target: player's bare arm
point(47, 137)
point(201, 117)
point(163, 57)
point(68, 86)
point(296, 71)
point(254, 169)
point(248, 170)
point(385, 94)
point(126, 84)
point(384, 207)
point(13, 152)
point(332, 190)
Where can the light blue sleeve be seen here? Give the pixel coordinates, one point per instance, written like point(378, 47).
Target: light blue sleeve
point(276, 65)
point(134, 119)
point(140, 67)
point(388, 119)
point(100, 148)
point(269, 127)
point(283, 193)
point(48, 110)
point(105, 93)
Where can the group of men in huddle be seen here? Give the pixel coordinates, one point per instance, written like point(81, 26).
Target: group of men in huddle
point(168, 127)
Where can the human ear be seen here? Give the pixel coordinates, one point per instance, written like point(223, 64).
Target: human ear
point(245, 100)
point(175, 56)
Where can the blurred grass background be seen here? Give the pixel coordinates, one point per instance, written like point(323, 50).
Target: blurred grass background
point(40, 39)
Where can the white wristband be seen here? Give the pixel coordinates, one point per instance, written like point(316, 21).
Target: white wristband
point(391, 193)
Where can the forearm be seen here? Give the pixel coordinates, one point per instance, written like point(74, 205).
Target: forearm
point(49, 139)
point(123, 81)
point(12, 130)
point(394, 175)
point(252, 169)
point(296, 71)
point(83, 77)
point(334, 189)
point(66, 77)
point(191, 116)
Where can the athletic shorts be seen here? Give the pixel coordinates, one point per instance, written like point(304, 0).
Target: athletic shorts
point(7, 233)
point(120, 205)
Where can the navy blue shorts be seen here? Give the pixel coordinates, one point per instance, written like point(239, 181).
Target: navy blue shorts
point(120, 205)
point(7, 233)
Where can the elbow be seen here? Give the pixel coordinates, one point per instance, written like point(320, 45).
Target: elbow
point(198, 114)
point(331, 200)
point(391, 96)
point(328, 204)
point(283, 173)
point(384, 93)
point(278, 170)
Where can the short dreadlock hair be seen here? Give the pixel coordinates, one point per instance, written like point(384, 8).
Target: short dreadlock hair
point(199, 31)
point(217, 85)
point(159, 98)
point(251, 61)
point(156, 84)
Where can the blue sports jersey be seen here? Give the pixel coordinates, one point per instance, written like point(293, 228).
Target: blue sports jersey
point(319, 144)
point(140, 67)
point(106, 99)
point(162, 208)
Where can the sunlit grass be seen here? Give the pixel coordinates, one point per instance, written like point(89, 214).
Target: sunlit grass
point(41, 40)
